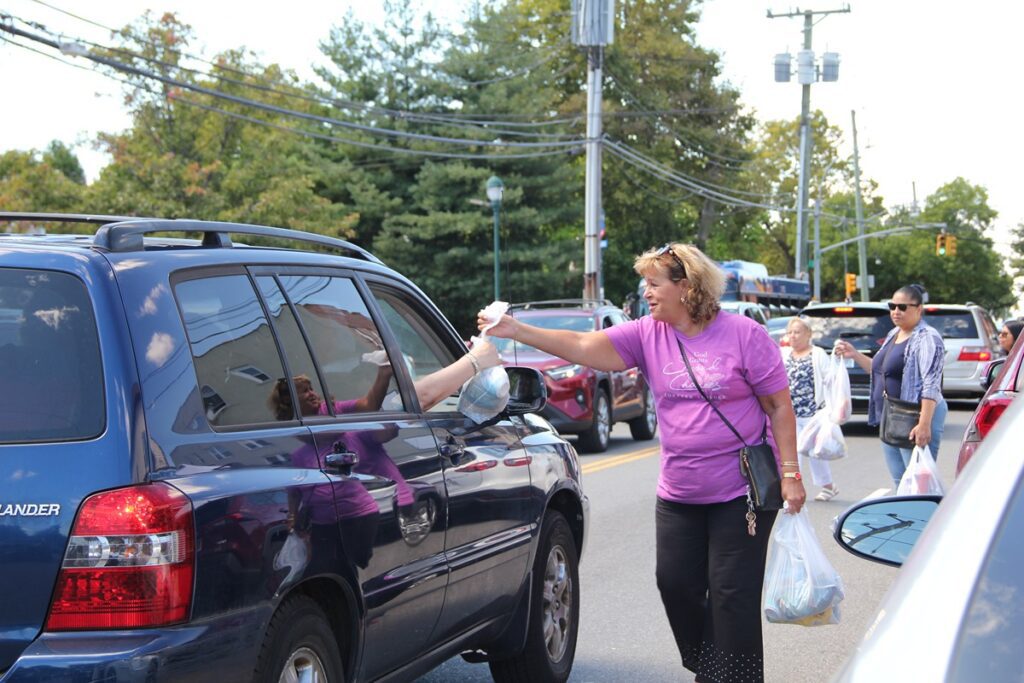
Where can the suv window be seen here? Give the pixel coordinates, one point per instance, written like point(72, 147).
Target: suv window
point(952, 324)
point(421, 347)
point(858, 325)
point(229, 335)
point(992, 633)
point(343, 336)
point(49, 359)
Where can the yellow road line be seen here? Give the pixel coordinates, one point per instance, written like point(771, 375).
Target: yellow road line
point(620, 460)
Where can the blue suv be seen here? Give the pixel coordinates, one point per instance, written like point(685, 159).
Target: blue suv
point(214, 467)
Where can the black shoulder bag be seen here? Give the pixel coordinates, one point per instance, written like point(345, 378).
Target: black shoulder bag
point(898, 417)
point(757, 462)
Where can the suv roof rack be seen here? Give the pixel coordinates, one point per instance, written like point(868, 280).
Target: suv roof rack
point(561, 303)
point(125, 233)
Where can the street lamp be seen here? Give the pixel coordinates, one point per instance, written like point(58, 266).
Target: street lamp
point(495, 188)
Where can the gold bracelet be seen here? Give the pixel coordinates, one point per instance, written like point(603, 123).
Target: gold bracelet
point(790, 463)
point(476, 365)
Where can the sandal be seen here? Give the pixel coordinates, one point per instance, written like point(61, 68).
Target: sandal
point(827, 494)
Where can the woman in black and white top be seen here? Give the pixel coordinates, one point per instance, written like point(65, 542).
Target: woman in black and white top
point(807, 366)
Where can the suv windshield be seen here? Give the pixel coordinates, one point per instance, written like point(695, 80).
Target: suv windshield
point(49, 358)
point(864, 328)
point(574, 323)
point(952, 324)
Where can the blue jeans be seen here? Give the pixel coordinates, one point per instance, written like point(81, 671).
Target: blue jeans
point(897, 459)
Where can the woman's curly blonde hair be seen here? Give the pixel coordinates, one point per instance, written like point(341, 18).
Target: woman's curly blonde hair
point(706, 279)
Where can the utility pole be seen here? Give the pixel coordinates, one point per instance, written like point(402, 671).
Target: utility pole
point(593, 23)
point(592, 191)
point(807, 74)
point(862, 247)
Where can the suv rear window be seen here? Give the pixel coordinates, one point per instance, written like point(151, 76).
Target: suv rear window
point(952, 324)
point(49, 359)
point(861, 327)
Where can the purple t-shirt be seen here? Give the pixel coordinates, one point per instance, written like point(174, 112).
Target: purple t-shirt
point(735, 361)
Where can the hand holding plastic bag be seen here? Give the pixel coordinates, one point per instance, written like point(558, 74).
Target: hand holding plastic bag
point(801, 586)
point(838, 401)
point(921, 476)
point(486, 394)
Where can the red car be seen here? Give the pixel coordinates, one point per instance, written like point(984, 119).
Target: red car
point(1008, 374)
point(581, 400)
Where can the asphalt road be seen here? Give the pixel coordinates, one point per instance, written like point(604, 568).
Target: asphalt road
point(624, 635)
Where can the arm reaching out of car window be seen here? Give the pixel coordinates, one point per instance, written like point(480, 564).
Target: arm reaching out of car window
point(435, 387)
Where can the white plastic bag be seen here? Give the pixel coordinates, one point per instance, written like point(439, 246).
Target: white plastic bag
point(800, 585)
point(838, 401)
point(921, 476)
point(485, 394)
point(821, 438)
point(292, 556)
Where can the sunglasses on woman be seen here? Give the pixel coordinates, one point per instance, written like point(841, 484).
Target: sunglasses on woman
point(902, 307)
point(667, 249)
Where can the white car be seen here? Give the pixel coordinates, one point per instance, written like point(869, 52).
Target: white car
point(956, 610)
point(971, 341)
point(753, 311)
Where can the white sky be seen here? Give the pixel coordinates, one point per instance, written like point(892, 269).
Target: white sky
point(931, 80)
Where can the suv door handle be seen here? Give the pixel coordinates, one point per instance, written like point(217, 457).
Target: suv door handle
point(452, 450)
point(341, 459)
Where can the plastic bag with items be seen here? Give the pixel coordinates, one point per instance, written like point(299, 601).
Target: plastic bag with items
point(485, 394)
point(921, 478)
point(800, 585)
point(838, 401)
point(821, 438)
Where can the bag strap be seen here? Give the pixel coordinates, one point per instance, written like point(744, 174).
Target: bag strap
point(693, 378)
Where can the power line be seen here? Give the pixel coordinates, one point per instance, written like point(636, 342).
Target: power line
point(340, 103)
point(666, 174)
point(369, 145)
point(79, 50)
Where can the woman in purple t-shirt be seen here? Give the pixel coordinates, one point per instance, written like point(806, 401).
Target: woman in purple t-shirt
point(710, 568)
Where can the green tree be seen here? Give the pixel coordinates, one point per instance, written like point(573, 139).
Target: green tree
point(198, 155)
point(964, 209)
point(38, 182)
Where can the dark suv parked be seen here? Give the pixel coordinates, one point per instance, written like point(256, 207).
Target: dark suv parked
point(581, 400)
point(864, 324)
point(170, 509)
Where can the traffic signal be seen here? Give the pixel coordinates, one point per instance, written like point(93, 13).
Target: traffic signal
point(950, 245)
point(851, 284)
point(940, 244)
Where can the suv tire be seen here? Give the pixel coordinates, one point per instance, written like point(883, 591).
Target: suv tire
point(554, 611)
point(299, 641)
point(595, 438)
point(644, 427)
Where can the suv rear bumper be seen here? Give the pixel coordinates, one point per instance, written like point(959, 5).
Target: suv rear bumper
point(213, 651)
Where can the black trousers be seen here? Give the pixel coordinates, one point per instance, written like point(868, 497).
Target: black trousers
point(710, 572)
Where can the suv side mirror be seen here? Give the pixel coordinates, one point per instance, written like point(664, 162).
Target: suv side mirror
point(527, 391)
point(885, 529)
point(992, 372)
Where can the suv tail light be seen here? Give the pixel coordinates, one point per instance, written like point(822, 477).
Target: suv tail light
point(975, 353)
point(128, 562)
point(989, 413)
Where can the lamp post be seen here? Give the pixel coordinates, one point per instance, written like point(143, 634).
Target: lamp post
point(495, 189)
